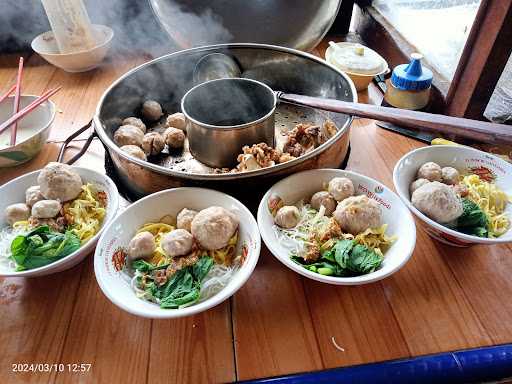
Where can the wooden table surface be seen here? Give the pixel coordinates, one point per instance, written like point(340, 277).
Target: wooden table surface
point(278, 323)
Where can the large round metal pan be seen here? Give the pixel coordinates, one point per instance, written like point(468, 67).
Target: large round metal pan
point(168, 78)
point(298, 24)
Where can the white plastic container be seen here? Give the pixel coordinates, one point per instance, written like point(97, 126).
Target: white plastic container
point(71, 26)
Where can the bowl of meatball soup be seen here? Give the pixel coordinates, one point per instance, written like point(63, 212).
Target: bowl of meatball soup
point(460, 195)
point(177, 252)
point(337, 227)
point(51, 219)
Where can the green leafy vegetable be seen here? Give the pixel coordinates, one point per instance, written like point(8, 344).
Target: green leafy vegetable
point(345, 258)
point(42, 246)
point(181, 289)
point(473, 220)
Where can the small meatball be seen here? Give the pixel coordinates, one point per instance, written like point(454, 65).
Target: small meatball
point(323, 198)
point(177, 120)
point(59, 182)
point(174, 137)
point(151, 110)
point(460, 189)
point(184, 219)
point(340, 188)
point(153, 143)
point(430, 171)
point(33, 195)
point(356, 214)
point(134, 151)
point(213, 227)
point(418, 183)
point(17, 212)
point(136, 122)
point(287, 217)
point(141, 246)
point(128, 135)
point(46, 209)
point(437, 201)
point(450, 175)
point(177, 243)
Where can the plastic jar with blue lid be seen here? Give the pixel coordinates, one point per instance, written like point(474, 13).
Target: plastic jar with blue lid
point(409, 85)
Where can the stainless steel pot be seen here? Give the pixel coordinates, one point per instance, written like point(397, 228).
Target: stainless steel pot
point(298, 24)
point(219, 111)
point(169, 77)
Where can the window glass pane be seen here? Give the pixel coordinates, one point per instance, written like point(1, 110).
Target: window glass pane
point(438, 28)
point(499, 108)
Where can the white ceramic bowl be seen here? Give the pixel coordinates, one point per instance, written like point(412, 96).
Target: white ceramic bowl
point(14, 192)
point(115, 283)
point(46, 46)
point(394, 213)
point(462, 158)
point(32, 133)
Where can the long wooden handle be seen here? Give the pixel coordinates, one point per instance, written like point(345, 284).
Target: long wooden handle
point(443, 125)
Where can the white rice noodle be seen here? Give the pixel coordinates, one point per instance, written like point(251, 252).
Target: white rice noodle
point(7, 235)
point(217, 278)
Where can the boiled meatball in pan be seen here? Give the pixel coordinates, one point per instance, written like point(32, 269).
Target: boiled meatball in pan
point(136, 122)
point(151, 110)
point(128, 135)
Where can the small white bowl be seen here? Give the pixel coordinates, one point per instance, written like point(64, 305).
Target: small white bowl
point(115, 283)
point(394, 213)
point(462, 158)
point(82, 61)
point(14, 192)
point(32, 133)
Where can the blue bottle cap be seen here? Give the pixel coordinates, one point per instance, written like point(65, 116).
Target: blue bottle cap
point(412, 76)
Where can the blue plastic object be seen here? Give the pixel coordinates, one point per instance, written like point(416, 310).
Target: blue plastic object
point(412, 76)
point(466, 366)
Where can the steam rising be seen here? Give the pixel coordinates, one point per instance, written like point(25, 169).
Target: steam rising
point(135, 26)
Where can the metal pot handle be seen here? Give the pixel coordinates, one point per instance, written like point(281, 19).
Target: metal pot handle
point(84, 148)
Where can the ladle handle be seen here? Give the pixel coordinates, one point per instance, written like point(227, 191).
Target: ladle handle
point(443, 125)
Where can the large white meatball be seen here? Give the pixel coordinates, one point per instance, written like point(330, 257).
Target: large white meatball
point(17, 212)
point(151, 110)
point(135, 122)
point(46, 209)
point(177, 243)
point(340, 188)
point(356, 214)
point(176, 120)
point(323, 198)
point(213, 227)
point(450, 175)
point(287, 216)
point(59, 182)
point(430, 171)
point(438, 201)
point(184, 219)
point(33, 195)
point(141, 246)
point(418, 183)
point(128, 135)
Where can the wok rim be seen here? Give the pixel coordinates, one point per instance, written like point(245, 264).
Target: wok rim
point(111, 146)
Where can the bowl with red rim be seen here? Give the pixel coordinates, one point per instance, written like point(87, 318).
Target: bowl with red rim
point(465, 160)
point(304, 184)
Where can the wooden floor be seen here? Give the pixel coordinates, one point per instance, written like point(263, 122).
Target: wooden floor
point(444, 299)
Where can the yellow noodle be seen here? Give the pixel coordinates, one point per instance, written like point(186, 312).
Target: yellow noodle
point(492, 200)
point(87, 212)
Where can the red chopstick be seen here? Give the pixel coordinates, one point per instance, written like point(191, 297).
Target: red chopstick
point(29, 108)
point(7, 93)
point(16, 107)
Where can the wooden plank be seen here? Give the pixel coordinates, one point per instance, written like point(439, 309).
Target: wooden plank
point(115, 343)
point(272, 325)
point(485, 55)
point(196, 349)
